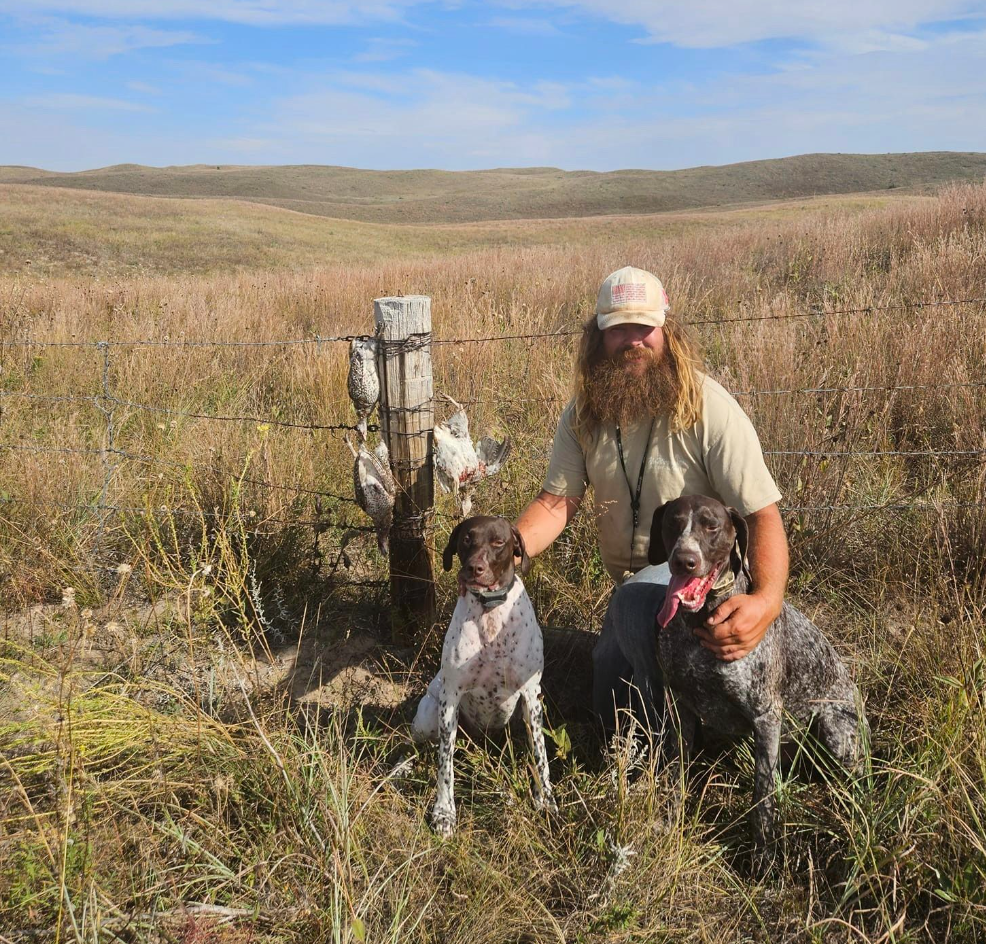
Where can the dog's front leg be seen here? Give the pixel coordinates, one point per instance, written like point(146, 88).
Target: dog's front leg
point(534, 718)
point(443, 812)
point(766, 748)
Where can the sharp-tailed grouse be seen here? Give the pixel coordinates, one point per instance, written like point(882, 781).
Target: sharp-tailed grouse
point(375, 488)
point(460, 465)
point(363, 382)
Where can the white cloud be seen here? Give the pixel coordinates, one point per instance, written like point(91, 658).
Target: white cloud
point(252, 12)
point(59, 39)
point(925, 96)
point(711, 23)
point(243, 145)
point(196, 70)
point(420, 118)
point(526, 26)
point(67, 101)
point(882, 91)
point(380, 49)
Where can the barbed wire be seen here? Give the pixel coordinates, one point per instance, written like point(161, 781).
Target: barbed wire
point(163, 508)
point(436, 401)
point(825, 312)
point(911, 454)
point(419, 340)
point(165, 463)
point(875, 388)
point(260, 519)
point(109, 405)
point(892, 506)
point(181, 342)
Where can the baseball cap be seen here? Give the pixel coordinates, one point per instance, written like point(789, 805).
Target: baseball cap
point(631, 296)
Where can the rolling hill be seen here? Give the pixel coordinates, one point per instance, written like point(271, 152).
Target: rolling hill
point(433, 196)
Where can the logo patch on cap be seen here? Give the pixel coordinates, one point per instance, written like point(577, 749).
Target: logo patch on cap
point(629, 292)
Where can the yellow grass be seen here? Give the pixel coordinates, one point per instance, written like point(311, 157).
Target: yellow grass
point(141, 777)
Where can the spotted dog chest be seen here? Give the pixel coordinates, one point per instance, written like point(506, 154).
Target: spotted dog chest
point(490, 655)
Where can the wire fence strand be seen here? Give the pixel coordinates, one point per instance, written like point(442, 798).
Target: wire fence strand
point(112, 408)
point(317, 340)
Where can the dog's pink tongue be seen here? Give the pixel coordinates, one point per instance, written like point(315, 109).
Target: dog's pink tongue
point(679, 587)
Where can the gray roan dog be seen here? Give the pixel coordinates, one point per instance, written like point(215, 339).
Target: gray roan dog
point(792, 678)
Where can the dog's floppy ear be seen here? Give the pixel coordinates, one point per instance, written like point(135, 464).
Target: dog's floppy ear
point(737, 556)
point(448, 555)
point(520, 551)
point(656, 552)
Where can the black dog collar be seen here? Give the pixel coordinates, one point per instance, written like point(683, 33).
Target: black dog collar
point(491, 599)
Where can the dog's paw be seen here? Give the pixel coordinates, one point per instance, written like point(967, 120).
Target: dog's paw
point(443, 820)
point(544, 802)
point(765, 861)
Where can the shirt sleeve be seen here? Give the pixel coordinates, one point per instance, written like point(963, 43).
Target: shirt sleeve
point(734, 459)
point(566, 471)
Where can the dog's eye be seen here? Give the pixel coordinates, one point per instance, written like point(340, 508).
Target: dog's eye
point(497, 543)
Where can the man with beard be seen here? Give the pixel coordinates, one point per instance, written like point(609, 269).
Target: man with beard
point(645, 427)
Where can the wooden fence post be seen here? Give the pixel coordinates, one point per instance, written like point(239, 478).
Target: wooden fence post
point(407, 419)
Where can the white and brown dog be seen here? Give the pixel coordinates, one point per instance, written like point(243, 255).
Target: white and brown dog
point(492, 658)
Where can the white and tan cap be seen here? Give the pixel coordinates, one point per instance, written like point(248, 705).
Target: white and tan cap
point(631, 296)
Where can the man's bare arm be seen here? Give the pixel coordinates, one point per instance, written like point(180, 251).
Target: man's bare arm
point(740, 622)
point(544, 519)
point(769, 560)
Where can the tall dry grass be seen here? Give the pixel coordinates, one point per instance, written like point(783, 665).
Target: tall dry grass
point(141, 778)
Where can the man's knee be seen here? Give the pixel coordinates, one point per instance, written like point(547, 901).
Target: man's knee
point(626, 677)
point(632, 614)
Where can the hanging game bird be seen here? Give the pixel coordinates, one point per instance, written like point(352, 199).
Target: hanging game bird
point(460, 465)
point(363, 382)
point(375, 488)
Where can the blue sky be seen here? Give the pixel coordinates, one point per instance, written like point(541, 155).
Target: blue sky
point(593, 84)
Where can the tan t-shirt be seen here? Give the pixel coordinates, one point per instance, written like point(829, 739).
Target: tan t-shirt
point(719, 456)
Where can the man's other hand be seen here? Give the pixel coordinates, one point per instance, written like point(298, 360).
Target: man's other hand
point(737, 625)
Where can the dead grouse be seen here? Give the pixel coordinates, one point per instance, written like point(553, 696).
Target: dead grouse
point(363, 382)
point(375, 488)
point(460, 465)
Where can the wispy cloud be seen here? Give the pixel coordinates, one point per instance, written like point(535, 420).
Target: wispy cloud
point(712, 23)
point(252, 12)
point(58, 38)
point(244, 145)
point(199, 70)
point(383, 49)
point(526, 26)
point(418, 118)
point(143, 88)
point(67, 101)
point(844, 75)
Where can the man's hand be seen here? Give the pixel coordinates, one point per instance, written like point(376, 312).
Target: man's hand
point(738, 624)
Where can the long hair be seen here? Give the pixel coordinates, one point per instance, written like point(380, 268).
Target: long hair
point(685, 359)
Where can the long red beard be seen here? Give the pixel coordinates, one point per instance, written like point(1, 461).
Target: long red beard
point(618, 395)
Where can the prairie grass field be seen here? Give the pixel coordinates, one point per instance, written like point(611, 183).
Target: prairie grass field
point(203, 718)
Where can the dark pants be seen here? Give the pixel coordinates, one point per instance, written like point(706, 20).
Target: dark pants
point(625, 673)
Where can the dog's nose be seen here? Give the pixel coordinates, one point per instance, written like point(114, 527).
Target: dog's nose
point(686, 561)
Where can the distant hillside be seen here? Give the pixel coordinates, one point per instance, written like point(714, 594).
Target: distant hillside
point(432, 196)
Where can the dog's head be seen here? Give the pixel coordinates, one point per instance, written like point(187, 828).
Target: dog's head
point(700, 538)
point(489, 548)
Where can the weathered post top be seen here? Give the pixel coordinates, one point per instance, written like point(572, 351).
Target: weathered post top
point(403, 326)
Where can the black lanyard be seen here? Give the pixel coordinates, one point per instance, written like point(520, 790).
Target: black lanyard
point(634, 497)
